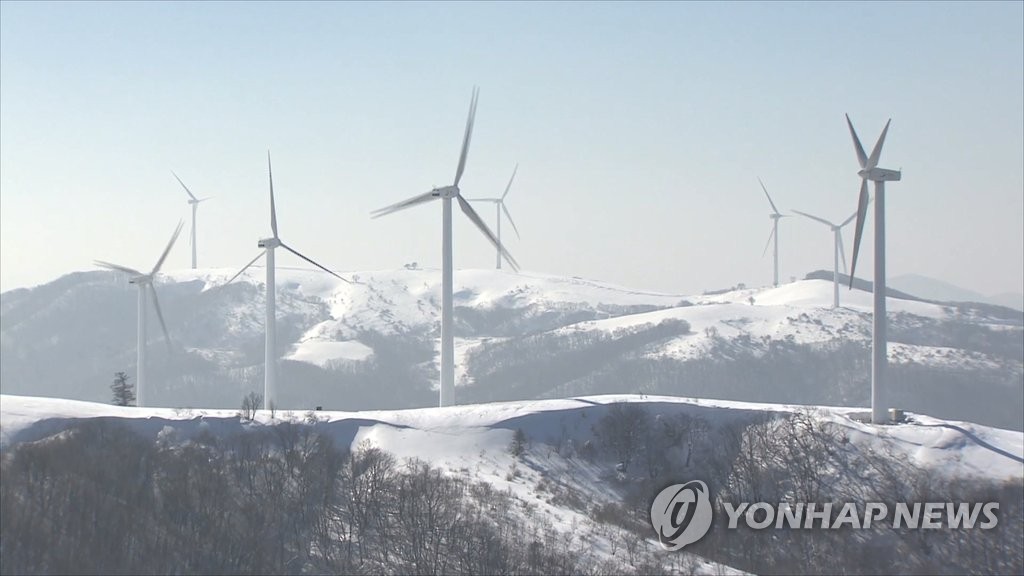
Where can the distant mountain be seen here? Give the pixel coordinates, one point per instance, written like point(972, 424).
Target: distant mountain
point(933, 289)
point(1013, 300)
point(374, 344)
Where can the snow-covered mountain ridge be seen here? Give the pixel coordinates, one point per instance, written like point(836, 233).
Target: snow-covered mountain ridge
point(563, 481)
point(944, 447)
point(373, 343)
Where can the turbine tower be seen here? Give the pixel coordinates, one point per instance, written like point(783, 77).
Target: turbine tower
point(268, 245)
point(194, 202)
point(446, 194)
point(499, 206)
point(837, 250)
point(869, 170)
point(145, 285)
point(775, 216)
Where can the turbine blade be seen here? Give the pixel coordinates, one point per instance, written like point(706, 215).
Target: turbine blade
point(167, 250)
point(190, 194)
point(852, 216)
point(468, 211)
point(822, 220)
point(325, 269)
point(861, 156)
point(466, 138)
point(842, 252)
point(776, 210)
point(769, 243)
point(510, 220)
point(862, 212)
point(273, 210)
point(425, 197)
point(514, 170)
point(847, 221)
point(244, 268)
point(160, 316)
point(876, 153)
point(117, 267)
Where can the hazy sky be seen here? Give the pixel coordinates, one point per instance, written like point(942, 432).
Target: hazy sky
point(640, 130)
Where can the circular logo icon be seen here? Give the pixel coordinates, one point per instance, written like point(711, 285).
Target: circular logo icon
point(681, 514)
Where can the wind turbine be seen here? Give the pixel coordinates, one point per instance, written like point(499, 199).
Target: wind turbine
point(775, 216)
point(268, 245)
point(837, 250)
point(194, 202)
point(446, 193)
point(869, 170)
point(145, 284)
point(499, 206)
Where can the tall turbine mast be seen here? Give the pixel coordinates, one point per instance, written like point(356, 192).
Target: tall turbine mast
point(869, 170)
point(838, 254)
point(446, 194)
point(145, 284)
point(499, 206)
point(775, 216)
point(194, 203)
point(269, 245)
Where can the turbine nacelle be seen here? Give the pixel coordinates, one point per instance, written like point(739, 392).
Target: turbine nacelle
point(880, 175)
point(445, 192)
point(269, 243)
point(141, 280)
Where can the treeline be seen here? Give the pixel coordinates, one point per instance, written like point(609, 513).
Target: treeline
point(99, 498)
point(529, 367)
point(283, 499)
point(834, 373)
point(803, 457)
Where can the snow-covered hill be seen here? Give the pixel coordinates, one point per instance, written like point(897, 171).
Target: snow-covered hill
point(553, 482)
point(454, 437)
point(373, 343)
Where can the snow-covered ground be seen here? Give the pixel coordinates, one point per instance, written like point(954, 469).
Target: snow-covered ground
point(472, 441)
point(326, 352)
point(454, 436)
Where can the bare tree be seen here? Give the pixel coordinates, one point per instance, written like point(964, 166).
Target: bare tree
point(250, 404)
point(622, 432)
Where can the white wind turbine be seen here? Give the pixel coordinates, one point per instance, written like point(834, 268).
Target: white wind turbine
point(446, 193)
point(194, 202)
point(869, 170)
point(775, 216)
point(837, 250)
point(268, 245)
point(145, 284)
point(499, 206)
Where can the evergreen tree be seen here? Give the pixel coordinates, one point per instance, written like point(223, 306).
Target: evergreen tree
point(124, 393)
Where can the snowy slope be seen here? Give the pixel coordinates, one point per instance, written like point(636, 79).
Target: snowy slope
point(802, 313)
point(453, 437)
point(472, 442)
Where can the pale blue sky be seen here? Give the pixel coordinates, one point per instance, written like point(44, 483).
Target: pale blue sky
point(640, 130)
